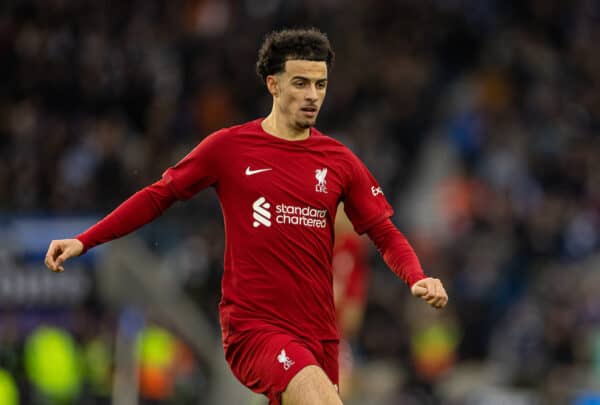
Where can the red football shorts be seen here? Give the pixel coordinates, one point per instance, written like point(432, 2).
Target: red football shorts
point(265, 360)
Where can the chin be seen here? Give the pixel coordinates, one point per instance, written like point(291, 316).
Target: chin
point(304, 124)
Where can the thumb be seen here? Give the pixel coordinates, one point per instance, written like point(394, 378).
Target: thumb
point(418, 290)
point(59, 262)
point(61, 259)
point(66, 254)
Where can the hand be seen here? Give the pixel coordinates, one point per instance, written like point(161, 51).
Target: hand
point(432, 291)
point(61, 250)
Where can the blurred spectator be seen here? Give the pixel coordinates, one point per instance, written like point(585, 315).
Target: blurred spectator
point(53, 365)
point(164, 364)
point(9, 392)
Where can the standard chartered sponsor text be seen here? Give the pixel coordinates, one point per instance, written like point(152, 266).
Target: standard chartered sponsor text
point(306, 216)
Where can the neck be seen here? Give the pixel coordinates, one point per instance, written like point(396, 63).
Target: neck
point(277, 126)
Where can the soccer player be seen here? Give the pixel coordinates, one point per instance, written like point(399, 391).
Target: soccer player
point(279, 182)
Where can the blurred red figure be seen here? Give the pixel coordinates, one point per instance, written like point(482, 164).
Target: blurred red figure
point(350, 283)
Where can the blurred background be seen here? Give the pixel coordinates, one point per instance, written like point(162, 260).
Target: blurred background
point(480, 119)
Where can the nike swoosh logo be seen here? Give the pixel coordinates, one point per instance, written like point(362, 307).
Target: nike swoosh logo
point(253, 172)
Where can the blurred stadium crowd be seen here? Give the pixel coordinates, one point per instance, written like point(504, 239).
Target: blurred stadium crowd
point(480, 119)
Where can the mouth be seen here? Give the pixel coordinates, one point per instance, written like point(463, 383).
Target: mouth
point(310, 111)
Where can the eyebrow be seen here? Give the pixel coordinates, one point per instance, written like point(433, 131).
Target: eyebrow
point(306, 78)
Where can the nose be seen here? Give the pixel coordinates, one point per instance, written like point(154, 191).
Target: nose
point(311, 93)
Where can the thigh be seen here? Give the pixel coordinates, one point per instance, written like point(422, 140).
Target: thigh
point(265, 362)
point(311, 386)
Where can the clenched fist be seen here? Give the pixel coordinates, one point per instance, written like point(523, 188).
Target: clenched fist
point(432, 291)
point(61, 250)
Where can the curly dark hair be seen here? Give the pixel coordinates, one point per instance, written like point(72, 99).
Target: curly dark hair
point(281, 46)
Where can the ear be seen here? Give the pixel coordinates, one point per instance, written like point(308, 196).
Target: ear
point(273, 85)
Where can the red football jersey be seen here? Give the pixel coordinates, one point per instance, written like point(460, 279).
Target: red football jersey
point(279, 201)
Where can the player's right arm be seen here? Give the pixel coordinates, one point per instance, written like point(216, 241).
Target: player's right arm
point(138, 210)
point(193, 173)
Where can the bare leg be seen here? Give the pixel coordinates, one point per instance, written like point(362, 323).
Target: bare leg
point(311, 386)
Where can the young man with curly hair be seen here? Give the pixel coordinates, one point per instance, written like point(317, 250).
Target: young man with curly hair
point(279, 181)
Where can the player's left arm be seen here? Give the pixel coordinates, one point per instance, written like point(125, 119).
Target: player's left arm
point(370, 212)
point(399, 255)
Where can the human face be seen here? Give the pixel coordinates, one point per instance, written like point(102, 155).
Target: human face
point(299, 92)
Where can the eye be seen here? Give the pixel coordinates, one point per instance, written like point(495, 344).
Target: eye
point(321, 85)
point(299, 83)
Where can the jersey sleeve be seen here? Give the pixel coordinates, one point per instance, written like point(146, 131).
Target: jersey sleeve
point(364, 200)
point(138, 210)
point(198, 170)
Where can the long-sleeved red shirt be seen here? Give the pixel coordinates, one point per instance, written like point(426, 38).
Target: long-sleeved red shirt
point(279, 199)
